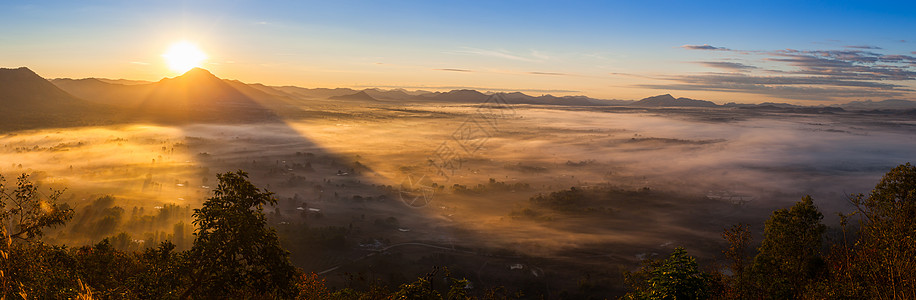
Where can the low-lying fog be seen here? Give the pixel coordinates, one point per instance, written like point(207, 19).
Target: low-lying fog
point(345, 167)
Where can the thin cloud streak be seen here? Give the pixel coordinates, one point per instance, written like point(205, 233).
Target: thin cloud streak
point(454, 70)
point(495, 53)
point(731, 66)
point(548, 73)
point(490, 89)
point(856, 71)
point(864, 47)
point(704, 47)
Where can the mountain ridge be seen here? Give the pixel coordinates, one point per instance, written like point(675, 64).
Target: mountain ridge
point(667, 100)
point(200, 96)
point(28, 100)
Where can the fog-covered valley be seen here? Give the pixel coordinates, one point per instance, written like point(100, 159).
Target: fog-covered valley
point(527, 195)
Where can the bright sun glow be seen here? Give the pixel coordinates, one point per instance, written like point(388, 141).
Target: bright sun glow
point(183, 56)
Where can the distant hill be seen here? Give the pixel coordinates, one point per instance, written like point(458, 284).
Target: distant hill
point(894, 104)
point(29, 101)
point(460, 96)
point(521, 98)
point(199, 96)
point(359, 96)
point(667, 100)
point(759, 105)
point(317, 93)
point(105, 92)
point(265, 89)
point(123, 81)
point(259, 93)
point(396, 94)
point(22, 90)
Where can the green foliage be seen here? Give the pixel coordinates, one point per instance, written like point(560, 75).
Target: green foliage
point(42, 272)
point(24, 215)
point(312, 287)
point(567, 200)
point(491, 187)
point(418, 290)
point(458, 289)
point(601, 200)
point(789, 258)
point(236, 255)
point(423, 289)
point(29, 211)
point(162, 275)
point(676, 277)
point(235, 251)
point(885, 253)
point(738, 238)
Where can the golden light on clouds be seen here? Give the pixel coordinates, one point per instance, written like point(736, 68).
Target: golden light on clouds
point(184, 56)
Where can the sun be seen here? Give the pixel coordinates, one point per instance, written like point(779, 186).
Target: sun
point(183, 56)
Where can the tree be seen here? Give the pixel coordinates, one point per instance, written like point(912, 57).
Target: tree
point(24, 214)
point(418, 290)
point(789, 258)
point(28, 212)
point(234, 252)
point(885, 253)
point(738, 238)
point(311, 286)
point(677, 277)
point(162, 274)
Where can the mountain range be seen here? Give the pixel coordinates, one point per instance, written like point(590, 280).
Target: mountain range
point(115, 91)
point(667, 100)
point(199, 96)
point(27, 101)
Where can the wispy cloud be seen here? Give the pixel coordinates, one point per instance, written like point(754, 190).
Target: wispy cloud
point(704, 47)
point(484, 89)
point(454, 70)
point(632, 75)
point(726, 65)
point(496, 53)
point(548, 73)
point(782, 87)
point(853, 72)
point(140, 63)
point(540, 55)
point(863, 47)
point(785, 92)
point(848, 64)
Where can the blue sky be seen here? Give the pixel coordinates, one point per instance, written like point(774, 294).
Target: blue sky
point(840, 51)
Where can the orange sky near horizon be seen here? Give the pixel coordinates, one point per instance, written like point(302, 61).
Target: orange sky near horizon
point(602, 50)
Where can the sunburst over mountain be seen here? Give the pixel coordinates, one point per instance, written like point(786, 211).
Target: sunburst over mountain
point(457, 150)
point(199, 96)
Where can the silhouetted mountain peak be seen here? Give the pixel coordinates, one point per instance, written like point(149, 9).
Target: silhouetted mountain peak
point(667, 100)
point(23, 90)
point(464, 92)
point(884, 104)
point(361, 95)
point(21, 73)
point(200, 96)
point(665, 97)
point(194, 75)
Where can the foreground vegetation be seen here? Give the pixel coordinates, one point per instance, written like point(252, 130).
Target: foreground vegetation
point(874, 258)
point(236, 255)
